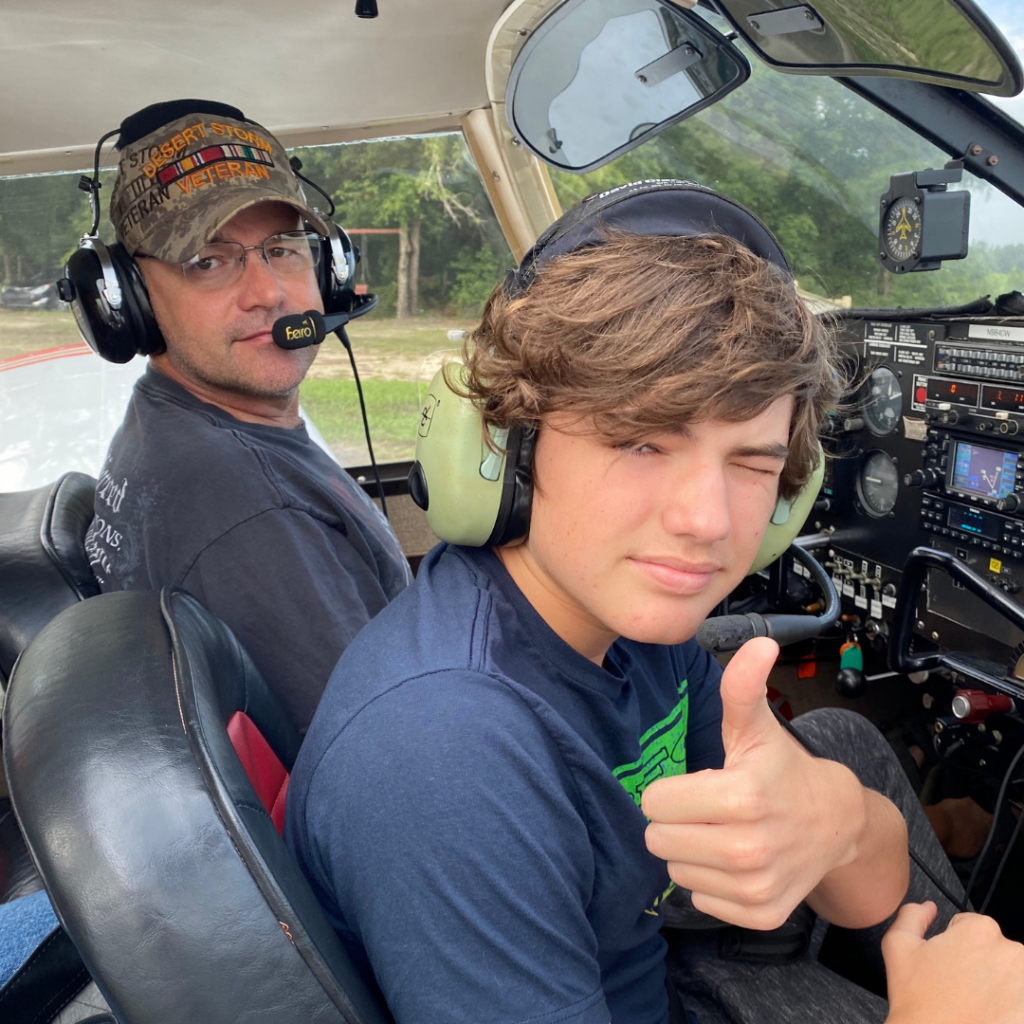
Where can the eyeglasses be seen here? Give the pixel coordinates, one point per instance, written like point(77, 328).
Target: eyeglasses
point(220, 264)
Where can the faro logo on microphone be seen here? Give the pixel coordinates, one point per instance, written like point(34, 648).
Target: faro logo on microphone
point(298, 333)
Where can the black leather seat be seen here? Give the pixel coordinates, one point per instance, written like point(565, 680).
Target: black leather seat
point(43, 570)
point(160, 855)
point(43, 565)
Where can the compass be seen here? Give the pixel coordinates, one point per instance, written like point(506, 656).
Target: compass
point(921, 222)
point(901, 233)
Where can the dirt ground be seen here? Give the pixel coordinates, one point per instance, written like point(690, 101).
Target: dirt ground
point(385, 349)
point(29, 331)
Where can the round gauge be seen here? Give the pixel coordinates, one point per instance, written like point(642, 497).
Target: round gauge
point(883, 404)
point(901, 233)
point(878, 484)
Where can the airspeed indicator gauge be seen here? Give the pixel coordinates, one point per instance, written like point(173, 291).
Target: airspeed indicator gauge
point(883, 404)
point(878, 484)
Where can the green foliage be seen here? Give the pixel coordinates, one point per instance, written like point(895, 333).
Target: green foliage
point(808, 156)
point(41, 219)
point(811, 159)
point(476, 274)
point(431, 180)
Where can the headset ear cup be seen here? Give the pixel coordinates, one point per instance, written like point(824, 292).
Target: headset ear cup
point(336, 251)
point(325, 278)
point(146, 335)
point(513, 520)
point(102, 317)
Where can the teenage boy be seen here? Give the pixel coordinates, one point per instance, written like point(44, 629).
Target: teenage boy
point(472, 798)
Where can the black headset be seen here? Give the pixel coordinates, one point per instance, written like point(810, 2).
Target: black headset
point(658, 206)
point(106, 290)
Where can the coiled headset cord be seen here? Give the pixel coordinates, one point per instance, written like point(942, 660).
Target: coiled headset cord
point(960, 905)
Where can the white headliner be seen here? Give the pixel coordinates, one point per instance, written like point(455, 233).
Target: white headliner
point(310, 72)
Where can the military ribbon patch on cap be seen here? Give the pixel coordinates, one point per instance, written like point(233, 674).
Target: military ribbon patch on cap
point(212, 155)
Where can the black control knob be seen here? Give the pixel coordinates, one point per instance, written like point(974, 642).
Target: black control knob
point(851, 683)
point(1011, 502)
point(823, 505)
point(948, 417)
point(921, 478)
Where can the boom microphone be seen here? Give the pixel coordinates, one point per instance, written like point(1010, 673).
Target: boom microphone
point(299, 330)
point(310, 328)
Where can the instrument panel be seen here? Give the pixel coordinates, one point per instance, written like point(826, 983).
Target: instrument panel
point(928, 450)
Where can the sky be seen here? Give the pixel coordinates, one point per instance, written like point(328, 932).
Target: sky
point(995, 218)
point(1008, 16)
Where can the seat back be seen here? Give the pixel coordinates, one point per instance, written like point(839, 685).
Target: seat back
point(43, 565)
point(161, 860)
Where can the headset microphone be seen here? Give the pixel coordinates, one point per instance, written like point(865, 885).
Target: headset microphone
point(300, 330)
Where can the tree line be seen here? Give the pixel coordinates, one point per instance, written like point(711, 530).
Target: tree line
point(809, 157)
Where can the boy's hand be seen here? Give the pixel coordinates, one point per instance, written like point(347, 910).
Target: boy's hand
point(755, 838)
point(968, 973)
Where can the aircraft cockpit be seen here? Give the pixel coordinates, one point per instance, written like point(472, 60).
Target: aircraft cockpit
point(883, 146)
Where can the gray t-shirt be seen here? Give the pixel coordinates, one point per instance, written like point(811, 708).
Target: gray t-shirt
point(258, 522)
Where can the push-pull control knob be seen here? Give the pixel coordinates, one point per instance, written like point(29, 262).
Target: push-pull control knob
point(921, 478)
point(976, 705)
point(1011, 502)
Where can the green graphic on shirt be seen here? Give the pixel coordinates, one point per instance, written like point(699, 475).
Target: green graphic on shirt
point(662, 750)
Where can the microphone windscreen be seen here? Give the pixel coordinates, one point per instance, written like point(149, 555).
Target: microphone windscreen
point(725, 633)
point(299, 330)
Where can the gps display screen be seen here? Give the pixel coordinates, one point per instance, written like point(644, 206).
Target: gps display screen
point(987, 472)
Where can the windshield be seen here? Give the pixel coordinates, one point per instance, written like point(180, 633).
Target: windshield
point(812, 159)
point(1008, 15)
point(431, 248)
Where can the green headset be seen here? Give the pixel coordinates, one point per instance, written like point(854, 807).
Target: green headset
point(477, 489)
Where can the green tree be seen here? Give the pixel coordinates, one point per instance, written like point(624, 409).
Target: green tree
point(429, 191)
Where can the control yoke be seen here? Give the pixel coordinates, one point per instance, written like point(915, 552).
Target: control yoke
point(725, 633)
point(918, 562)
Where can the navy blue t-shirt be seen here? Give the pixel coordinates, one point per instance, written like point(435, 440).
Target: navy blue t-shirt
point(466, 805)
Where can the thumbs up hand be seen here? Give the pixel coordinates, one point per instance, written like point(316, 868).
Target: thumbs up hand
point(753, 839)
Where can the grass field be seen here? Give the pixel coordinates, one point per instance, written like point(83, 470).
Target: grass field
point(394, 357)
point(392, 408)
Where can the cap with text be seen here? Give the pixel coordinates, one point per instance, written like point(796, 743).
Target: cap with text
point(179, 184)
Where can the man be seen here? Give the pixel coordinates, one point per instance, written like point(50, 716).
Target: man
point(467, 802)
point(212, 482)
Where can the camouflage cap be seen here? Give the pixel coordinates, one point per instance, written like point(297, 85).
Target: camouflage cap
point(178, 185)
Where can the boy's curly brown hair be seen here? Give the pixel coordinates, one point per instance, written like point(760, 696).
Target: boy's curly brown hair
point(642, 334)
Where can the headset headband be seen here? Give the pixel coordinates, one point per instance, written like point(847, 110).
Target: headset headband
point(655, 206)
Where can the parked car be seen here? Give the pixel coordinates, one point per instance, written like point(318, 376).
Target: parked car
point(32, 296)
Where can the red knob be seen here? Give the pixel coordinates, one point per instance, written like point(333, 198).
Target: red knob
point(975, 705)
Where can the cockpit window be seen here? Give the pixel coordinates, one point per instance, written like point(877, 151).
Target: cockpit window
point(1009, 16)
point(812, 159)
point(431, 248)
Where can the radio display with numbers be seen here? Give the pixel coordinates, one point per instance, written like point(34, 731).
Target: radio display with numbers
point(972, 520)
point(960, 391)
point(1006, 399)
